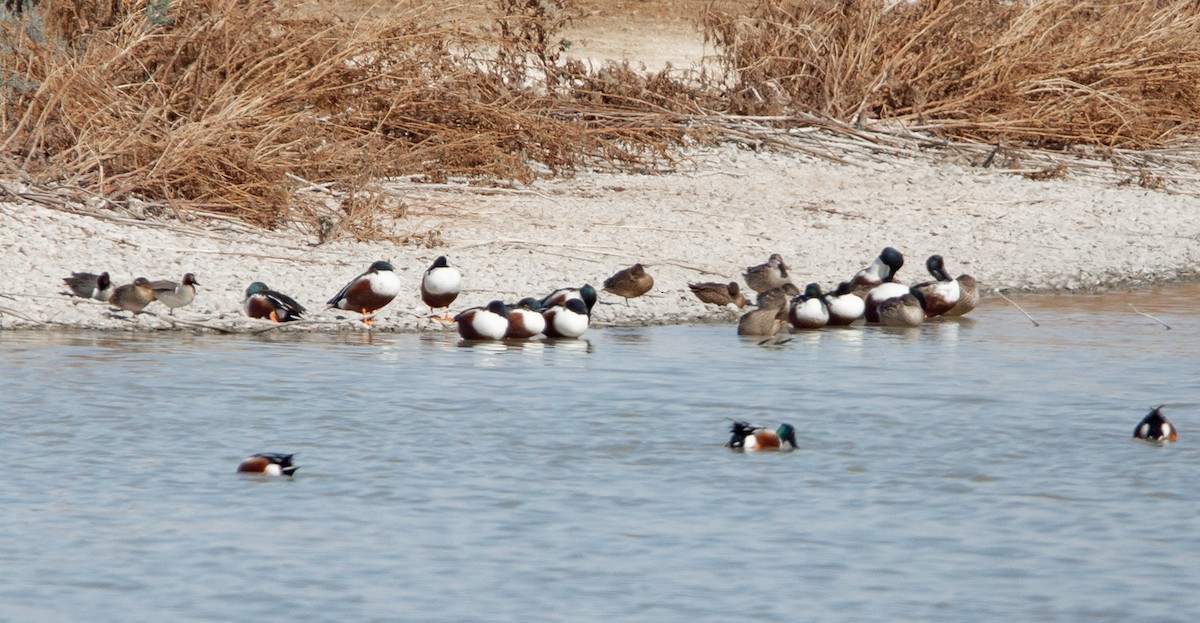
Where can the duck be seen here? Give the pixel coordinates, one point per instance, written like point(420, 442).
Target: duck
point(968, 296)
point(777, 297)
point(585, 293)
point(440, 286)
point(369, 291)
point(263, 302)
point(570, 319)
point(764, 277)
point(902, 311)
point(175, 295)
point(525, 319)
point(844, 306)
point(808, 310)
point(718, 293)
point(880, 294)
point(1155, 427)
point(882, 270)
point(764, 322)
point(269, 464)
point(133, 297)
point(90, 286)
point(749, 437)
point(629, 283)
point(489, 322)
point(942, 294)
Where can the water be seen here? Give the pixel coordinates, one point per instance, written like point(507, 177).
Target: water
point(973, 470)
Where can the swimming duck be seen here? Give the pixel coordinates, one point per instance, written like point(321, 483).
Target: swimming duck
point(569, 319)
point(882, 270)
point(764, 277)
point(174, 294)
point(844, 306)
point(268, 463)
point(369, 291)
point(1155, 427)
point(483, 323)
point(942, 295)
point(808, 310)
point(440, 286)
point(903, 311)
point(968, 296)
point(718, 293)
point(629, 283)
point(585, 293)
point(763, 322)
point(134, 296)
point(263, 302)
point(777, 297)
point(748, 437)
point(525, 319)
point(90, 286)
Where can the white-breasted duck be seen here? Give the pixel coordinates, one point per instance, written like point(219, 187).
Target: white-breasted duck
point(745, 436)
point(1155, 427)
point(569, 319)
point(369, 291)
point(268, 464)
point(483, 323)
point(525, 319)
point(941, 295)
point(808, 310)
point(90, 285)
point(175, 294)
point(845, 307)
point(440, 286)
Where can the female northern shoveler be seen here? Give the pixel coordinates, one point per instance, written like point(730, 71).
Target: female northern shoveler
point(483, 323)
point(440, 286)
point(880, 294)
point(777, 297)
point(368, 291)
point(808, 310)
point(882, 270)
point(718, 293)
point(942, 295)
point(748, 437)
point(629, 283)
point(764, 277)
point(174, 294)
point(263, 302)
point(1155, 427)
point(268, 463)
point(567, 320)
point(90, 286)
point(525, 319)
point(845, 307)
point(134, 296)
point(903, 311)
point(585, 293)
point(762, 322)
point(968, 296)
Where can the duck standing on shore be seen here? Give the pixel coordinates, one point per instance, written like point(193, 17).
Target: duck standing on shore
point(718, 293)
point(133, 297)
point(369, 291)
point(174, 294)
point(440, 286)
point(629, 283)
point(263, 302)
point(90, 286)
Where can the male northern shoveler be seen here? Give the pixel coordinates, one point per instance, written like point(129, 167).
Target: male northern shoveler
point(777, 297)
point(764, 277)
point(808, 310)
point(845, 307)
point(748, 437)
point(585, 293)
point(882, 270)
point(174, 294)
point(718, 293)
point(762, 322)
point(263, 302)
point(90, 286)
point(525, 319)
point(268, 463)
point(440, 286)
point(1155, 427)
point(942, 295)
point(368, 291)
point(968, 296)
point(567, 320)
point(134, 296)
point(629, 283)
point(483, 323)
point(902, 311)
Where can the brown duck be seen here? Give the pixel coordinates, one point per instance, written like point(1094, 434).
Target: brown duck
point(134, 296)
point(719, 293)
point(629, 283)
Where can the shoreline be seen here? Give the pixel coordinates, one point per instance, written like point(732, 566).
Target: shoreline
point(723, 209)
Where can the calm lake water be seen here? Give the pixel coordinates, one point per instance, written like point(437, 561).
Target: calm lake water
point(964, 471)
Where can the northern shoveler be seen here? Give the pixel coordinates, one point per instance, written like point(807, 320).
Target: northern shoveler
point(941, 295)
point(748, 437)
point(368, 291)
point(629, 283)
point(567, 320)
point(762, 322)
point(174, 294)
point(808, 310)
point(718, 293)
point(525, 319)
point(90, 286)
point(269, 464)
point(1155, 427)
point(585, 293)
point(881, 293)
point(882, 270)
point(777, 297)
point(263, 302)
point(483, 323)
point(845, 307)
point(440, 286)
point(903, 311)
point(133, 297)
point(764, 277)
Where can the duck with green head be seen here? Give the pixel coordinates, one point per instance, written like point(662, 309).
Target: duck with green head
point(745, 436)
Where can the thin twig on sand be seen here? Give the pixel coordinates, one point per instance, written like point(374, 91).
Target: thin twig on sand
point(1014, 304)
point(1136, 310)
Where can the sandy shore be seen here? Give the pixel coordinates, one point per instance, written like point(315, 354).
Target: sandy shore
point(725, 209)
